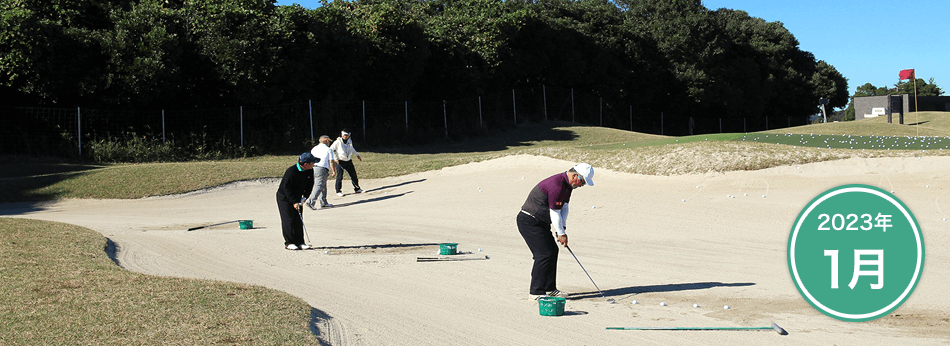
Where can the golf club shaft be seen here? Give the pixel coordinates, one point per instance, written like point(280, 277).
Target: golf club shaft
point(302, 223)
point(217, 224)
point(585, 272)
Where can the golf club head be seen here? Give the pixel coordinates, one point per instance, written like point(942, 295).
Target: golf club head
point(778, 329)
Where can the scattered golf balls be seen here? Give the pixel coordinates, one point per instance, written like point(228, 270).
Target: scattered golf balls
point(695, 305)
point(726, 307)
point(662, 304)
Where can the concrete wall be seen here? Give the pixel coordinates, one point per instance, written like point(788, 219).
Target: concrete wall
point(864, 106)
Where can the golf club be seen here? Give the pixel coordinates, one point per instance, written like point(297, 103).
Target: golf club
point(774, 327)
point(304, 224)
point(217, 224)
point(588, 276)
point(438, 259)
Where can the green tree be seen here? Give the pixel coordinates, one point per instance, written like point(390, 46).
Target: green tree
point(923, 88)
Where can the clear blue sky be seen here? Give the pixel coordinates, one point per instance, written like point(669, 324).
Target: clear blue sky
point(868, 41)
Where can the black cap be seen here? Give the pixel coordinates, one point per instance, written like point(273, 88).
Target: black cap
point(308, 158)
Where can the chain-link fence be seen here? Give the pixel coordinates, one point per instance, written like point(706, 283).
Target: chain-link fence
point(289, 127)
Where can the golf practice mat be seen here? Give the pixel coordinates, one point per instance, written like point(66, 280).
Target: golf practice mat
point(447, 258)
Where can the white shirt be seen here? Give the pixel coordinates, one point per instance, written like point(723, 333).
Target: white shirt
point(343, 149)
point(323, 152)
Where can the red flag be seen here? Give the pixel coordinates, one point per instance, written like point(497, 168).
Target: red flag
point(907, 74)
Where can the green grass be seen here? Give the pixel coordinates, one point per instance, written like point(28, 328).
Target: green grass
point(60, 287)
point(58, 283)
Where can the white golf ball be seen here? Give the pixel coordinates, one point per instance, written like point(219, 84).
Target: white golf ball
point(695, 305)
point(662, 304)
point(763, 196)
point(726, 307)
point(479, 249)
point(684, 200)
point(592, 207)
point(326, 252)
point(634, 301)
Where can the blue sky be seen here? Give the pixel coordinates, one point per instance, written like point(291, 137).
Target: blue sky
point(868, 41)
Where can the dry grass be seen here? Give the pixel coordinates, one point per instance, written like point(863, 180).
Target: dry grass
point(60, 287)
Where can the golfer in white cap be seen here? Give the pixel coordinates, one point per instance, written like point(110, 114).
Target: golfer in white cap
point(343, 150)
point(546, 206)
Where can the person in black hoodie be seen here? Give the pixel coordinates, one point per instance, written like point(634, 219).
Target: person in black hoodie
point(295, 186)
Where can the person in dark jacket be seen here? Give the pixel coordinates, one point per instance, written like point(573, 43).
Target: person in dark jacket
point(295, 186)
point(545, 209)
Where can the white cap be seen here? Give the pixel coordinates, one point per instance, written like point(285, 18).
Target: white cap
point(585, 171)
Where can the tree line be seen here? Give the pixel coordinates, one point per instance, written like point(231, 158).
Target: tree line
point(672, 56)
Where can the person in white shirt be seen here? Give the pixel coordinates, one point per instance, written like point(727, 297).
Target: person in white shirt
point(320, 172)
point(343, 149)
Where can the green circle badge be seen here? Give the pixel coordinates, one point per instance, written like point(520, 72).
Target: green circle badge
point(855, 253)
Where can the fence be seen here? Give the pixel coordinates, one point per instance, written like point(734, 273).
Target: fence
point(287, 128)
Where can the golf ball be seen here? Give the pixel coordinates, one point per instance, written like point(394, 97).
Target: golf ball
point(684, 200)
point(592, 207)
point(695, 305)
point(479, 249)
point(662, 304)
point(634, 301)
point(326, 252)
point(726, 307)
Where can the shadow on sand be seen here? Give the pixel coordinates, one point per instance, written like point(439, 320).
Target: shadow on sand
point(657, 288)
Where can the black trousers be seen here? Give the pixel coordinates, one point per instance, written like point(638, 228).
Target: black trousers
point(351, 171)
point(290, 222)
point(544, 251)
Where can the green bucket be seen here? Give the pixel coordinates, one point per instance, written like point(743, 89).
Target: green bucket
point(551, 306)
point(448, 248)
point(246, 224)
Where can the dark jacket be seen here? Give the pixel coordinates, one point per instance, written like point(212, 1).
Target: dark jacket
point(295, 185)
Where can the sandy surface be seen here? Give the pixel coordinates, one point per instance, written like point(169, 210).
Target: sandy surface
point(634, 235)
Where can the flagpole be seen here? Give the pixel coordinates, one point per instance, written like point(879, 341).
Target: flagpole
point(916, 111)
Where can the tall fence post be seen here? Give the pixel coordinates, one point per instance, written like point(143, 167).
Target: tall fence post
point(514, 106)
point(163, 126)
point(79, 130)
point(445, 118)
point(407, 115)
point(242, 126)
point(544, 93)
point(480, 123)
point(310, 105)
